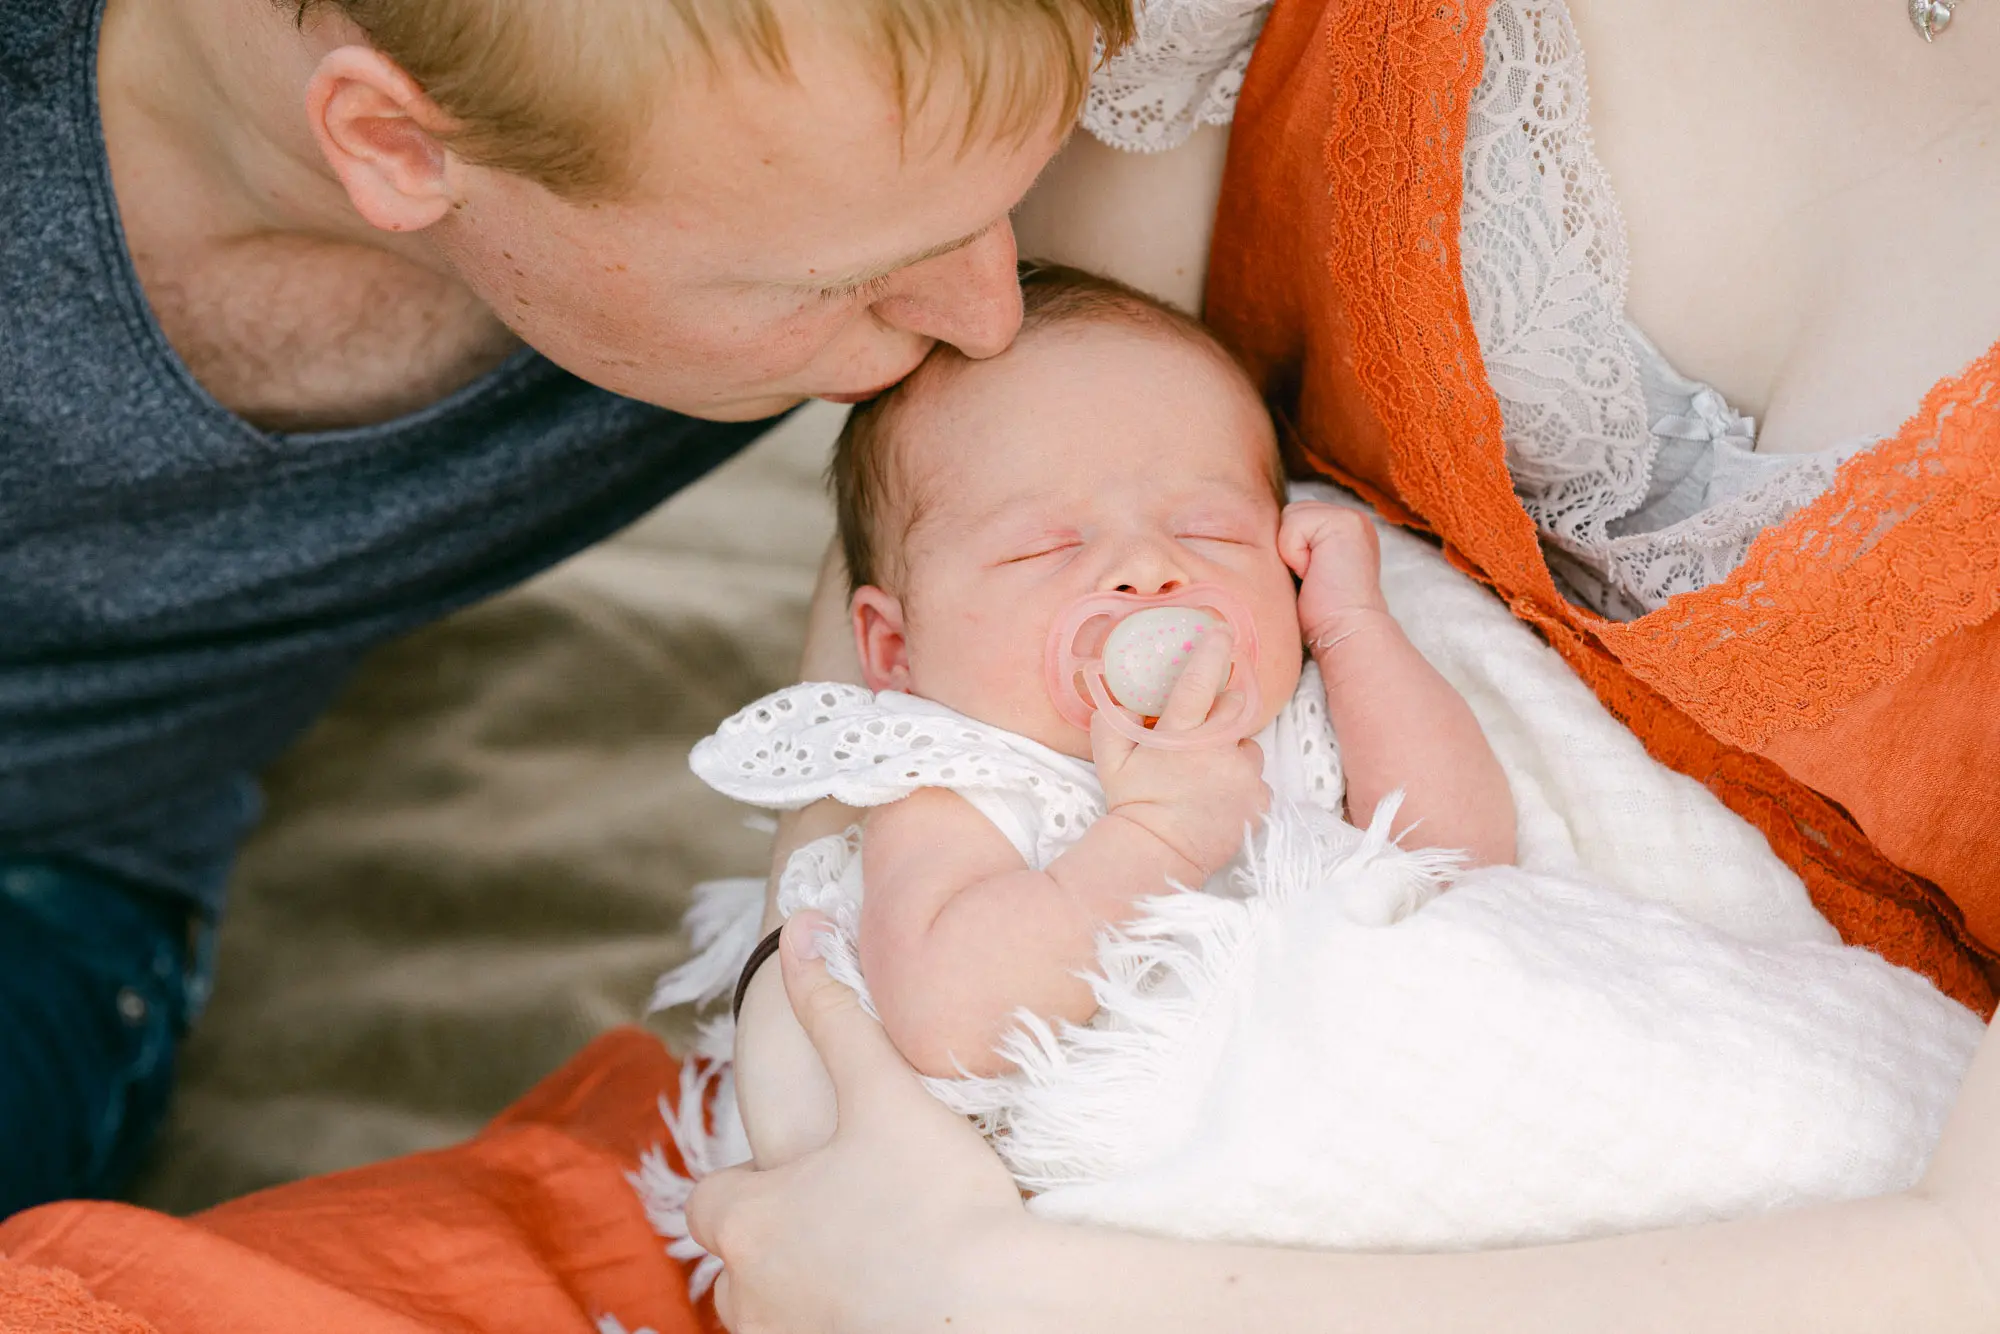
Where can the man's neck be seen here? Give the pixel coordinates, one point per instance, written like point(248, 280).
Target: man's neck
point(278, 296)
point(213, 91)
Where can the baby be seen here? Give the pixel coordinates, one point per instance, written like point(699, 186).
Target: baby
point(1320, 1050)
point(1115, 447)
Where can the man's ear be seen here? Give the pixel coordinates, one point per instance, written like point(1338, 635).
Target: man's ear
point(880, 639)
point(381, 135)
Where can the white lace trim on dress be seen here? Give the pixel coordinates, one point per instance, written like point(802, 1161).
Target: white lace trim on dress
point(1183, 70)
point(1589, 408)
point(1544, 264)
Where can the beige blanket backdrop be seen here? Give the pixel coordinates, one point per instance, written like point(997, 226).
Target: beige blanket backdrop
point(479, 860)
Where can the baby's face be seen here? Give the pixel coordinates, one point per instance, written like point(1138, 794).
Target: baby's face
point(1085, 459)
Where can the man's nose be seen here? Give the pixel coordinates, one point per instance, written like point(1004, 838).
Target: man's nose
point(970, 298)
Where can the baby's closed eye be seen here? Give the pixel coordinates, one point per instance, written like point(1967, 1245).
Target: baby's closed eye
point(1042, 551)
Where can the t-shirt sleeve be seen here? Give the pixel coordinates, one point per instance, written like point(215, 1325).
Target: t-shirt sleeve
point(1183, 70)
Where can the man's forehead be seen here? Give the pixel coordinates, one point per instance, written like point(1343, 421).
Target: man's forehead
point(998, 69)
point(817, 181)
point(837, 99)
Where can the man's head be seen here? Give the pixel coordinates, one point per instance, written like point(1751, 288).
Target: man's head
point(1116, 446)
point(722, 206)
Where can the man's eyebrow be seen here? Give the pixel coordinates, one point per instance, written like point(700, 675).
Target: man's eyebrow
point(864, 276)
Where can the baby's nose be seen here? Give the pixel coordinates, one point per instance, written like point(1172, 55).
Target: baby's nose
point(1151, 587)
point(1146, 569)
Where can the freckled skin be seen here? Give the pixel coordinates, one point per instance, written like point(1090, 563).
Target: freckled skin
point(737, 286)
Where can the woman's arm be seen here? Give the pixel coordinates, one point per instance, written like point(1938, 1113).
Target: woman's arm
point(1142, 218)
point(906, 1222)
point(1926, 1260)
point(782, 1090)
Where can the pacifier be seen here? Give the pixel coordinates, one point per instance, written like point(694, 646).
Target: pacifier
point(1120, 654)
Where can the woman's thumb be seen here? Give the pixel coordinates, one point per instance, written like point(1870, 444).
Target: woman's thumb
point(858, 1055)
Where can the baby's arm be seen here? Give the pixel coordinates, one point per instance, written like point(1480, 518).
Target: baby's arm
point(958, 934)
point(1399, 723)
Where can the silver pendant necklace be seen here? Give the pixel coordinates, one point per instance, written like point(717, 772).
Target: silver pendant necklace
point(1931, 17)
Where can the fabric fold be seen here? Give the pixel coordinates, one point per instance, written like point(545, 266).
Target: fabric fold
point(529, 1228)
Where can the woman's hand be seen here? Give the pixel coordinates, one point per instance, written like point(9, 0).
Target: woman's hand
point(872, 1232)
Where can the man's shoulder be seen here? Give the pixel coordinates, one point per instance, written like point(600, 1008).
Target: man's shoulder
point(37, 49)
point(45, 125)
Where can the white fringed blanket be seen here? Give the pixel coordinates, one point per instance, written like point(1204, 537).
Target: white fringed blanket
point(1349, 1044)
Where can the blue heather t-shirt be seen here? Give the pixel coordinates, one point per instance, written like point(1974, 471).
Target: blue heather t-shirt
point(181, 593)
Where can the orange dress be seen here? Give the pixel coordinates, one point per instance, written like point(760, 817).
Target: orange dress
point(530, 1228)
point(1840, 690)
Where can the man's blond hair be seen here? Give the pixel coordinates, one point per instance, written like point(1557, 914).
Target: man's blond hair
point(558, 90)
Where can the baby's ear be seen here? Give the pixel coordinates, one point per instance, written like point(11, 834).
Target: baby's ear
point(879, 638)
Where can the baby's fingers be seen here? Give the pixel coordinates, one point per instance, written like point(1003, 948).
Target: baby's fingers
point(1109, 748)
point(1201, 681)
point(1298, 529)
point(1252, 753)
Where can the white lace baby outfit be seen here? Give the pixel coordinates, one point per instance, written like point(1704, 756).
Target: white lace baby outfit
point(1642, 482)
point(866, 749)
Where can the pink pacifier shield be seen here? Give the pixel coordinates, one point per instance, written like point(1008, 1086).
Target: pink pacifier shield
point(1121, 655)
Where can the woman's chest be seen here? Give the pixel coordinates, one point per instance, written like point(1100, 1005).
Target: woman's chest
point(1804, 194)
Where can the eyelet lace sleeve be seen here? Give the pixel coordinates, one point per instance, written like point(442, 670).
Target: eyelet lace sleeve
point(1302, 756)
point(818, 740)
point(1183, 70)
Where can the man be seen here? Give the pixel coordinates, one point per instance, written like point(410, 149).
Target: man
point(322, 320)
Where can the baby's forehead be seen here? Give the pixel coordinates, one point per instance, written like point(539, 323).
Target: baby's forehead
point(1095, 483)
point(1091, 402)
point(1103, 368)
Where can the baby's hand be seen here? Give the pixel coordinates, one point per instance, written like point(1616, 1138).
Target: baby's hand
point(1335, 553)
point(1196, 802)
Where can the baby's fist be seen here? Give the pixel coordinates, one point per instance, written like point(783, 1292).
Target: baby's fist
point(1197, 801)
point(1334, 552)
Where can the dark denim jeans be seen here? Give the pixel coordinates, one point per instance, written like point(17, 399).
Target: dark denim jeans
point(98, 983)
